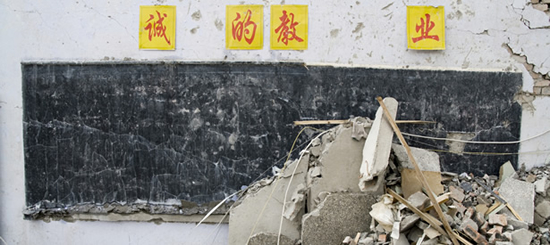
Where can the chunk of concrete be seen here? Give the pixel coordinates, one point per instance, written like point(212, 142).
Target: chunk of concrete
point(340, 160)
point(408, 222)
point(522, 237)
point(506, 171)
point(541, 185)
point(521, 196)
point(419, 200)
point(516, 224)
point(248, 209)
point(426, 160)
point(269, 239)
point(339, 215)
point(377, 148)
point(543, 209)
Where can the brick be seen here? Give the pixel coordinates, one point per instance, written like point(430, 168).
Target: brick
point(537, 90)
point(545, 1)
point(456, 193)
point(498, 219)
point(472, 233)
point(542, 83)
point(534, 1)
point(495, 229)
point(541, 7)
point(545, 91)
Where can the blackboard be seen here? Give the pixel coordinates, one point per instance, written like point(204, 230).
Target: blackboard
point(157, 132)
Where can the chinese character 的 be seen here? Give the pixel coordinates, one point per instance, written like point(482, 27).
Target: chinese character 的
point(244, 26)
point(287, 29)
point(157, 28)
point(425, 27)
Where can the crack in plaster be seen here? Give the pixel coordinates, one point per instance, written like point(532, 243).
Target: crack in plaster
point(109, 17)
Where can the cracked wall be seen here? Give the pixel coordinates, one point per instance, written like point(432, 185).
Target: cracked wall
point(481, 35)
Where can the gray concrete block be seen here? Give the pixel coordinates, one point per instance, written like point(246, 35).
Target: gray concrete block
point(521, 195)
point(340, 163)
point(426, 160)
point(543, 209)
point(247, 210)
point(338, 216)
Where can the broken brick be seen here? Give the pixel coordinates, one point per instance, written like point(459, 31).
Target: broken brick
point(498, 219)
point(474, 235)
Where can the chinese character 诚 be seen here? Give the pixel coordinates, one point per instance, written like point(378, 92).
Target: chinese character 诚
point(425, 27)
point(157, 28)
point(287, 29)
point(244, 26)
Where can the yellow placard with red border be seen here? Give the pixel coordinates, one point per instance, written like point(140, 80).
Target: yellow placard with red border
point(157, 27)
point(426, 27)
point(289, 27)
point(244, 27)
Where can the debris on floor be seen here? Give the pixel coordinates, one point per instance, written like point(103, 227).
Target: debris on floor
point(316, 199)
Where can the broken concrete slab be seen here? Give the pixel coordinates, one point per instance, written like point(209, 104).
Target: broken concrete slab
point(410, 183)
point(269, 239)
point(521, 196)
point(377, 148)
point(339, 215)
point(248, 209)
point(339, 162)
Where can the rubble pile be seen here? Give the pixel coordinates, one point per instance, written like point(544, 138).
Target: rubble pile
point(475, 207)
point(352, 185)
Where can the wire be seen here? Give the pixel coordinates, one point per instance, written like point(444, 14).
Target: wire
point(290, 182)
point(4, 241)
point(477, 142)
point(276, 182)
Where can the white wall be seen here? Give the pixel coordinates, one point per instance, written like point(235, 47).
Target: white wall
point(478, 34)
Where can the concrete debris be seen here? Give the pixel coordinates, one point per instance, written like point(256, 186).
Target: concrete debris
point(377, 147)
point(521, 196)
point(270, 238)
point(324, 205)
point(338, 216)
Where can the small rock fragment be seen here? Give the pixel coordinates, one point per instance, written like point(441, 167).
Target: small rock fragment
point(543, 209)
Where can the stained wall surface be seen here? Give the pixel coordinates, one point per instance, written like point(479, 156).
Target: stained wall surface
point(481, 36)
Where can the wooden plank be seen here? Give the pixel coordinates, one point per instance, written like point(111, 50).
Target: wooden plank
point(440, 199)
point(436, 224)
point(418, 172)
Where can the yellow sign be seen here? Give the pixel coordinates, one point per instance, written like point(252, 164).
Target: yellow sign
point(426, 27)
point(289, 27)
point(157, 27)
point(244, 28)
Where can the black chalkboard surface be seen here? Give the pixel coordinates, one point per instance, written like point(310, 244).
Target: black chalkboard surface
point(155, 132)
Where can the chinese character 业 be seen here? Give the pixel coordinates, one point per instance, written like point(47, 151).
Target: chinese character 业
point(244, 25)
point(157, 28)
point(288, 29)
point(425, 28)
